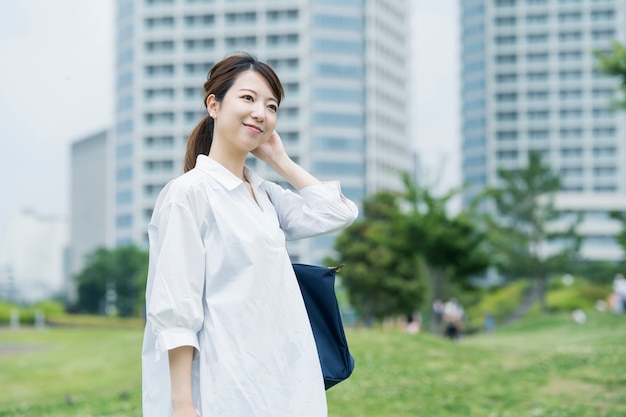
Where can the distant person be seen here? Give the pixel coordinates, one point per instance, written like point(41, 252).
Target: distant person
point(452, 319)
point(227, 332)
point(619, 291)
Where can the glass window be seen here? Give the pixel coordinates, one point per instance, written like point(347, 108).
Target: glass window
point(338, 46)
point(240, 41)
point(604, 132)
point(537, 134)
point(604, 151)
point(600, 15)
point(124, 150)
point(153, 47)
point(159, 141)
point(339, 95)
point(505, 21)
point(570, 94)
point(338, 22)
point(162, 70)
point(571, 152)
point(505, 3)
point(602, 92)
point(537, 57)
point(124, 173)
point(506, 78)
point(159, 118)
point(571, 133)
point(506, 116)
point(199, 44)
point(533, 19)
point(160, 165)
point(197, 68)
point(199, 20)
point(338, 119)
point(537, 76)
point(124, 220)
point(598, 35)
point(124, 197)
point(337, 143)
point(570, 75)
point(570, 17)
point(537, 95)
point(570, 36)
point(339, 168)
point(510, 97)
point(506, 40)
point(124, 126)
point(240, 18)
point(506, 135)
point(506, 59)
point(538, 115)
point(537, 38)
point(600, 112)
point(570, 55)
point(339, 70)
point(571, 113)
point(604, 171)
point(575, 172)
point(165, 22)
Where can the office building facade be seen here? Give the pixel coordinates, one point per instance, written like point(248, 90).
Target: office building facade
point(529, 83)
point(343, 65)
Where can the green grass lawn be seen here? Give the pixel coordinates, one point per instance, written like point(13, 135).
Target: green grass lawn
point(545, 366)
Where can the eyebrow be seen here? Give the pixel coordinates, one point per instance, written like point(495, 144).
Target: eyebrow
point(254, 92)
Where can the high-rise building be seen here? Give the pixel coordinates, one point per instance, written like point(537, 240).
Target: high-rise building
point(343, 64)
point(89, 188)
point(530, 83)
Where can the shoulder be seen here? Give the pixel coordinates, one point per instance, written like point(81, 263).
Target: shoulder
point(188, 190)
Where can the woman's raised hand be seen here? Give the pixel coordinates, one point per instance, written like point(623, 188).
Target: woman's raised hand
point(272, 150)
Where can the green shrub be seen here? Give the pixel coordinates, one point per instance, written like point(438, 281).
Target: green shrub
point(500, 302)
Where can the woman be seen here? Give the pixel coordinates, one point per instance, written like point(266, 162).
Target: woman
point(227, 332)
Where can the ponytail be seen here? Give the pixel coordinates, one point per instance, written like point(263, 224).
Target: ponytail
point(199, 142)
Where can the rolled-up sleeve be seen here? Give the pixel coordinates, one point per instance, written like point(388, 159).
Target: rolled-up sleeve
point(316, 210)
point(174, 300)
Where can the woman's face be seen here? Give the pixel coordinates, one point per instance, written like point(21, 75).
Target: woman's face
point(246, 117)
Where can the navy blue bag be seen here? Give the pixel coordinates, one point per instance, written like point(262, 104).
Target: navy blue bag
point(317, 285)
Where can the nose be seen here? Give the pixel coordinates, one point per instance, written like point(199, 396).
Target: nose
point(258, 111)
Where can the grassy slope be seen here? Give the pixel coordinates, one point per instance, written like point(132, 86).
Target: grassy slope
point(541, 367)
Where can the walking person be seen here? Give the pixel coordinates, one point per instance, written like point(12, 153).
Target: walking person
point(227, 333)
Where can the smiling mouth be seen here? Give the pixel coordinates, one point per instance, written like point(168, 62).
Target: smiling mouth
point(258, 129)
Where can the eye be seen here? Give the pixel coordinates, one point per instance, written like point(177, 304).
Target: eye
point(247, 97)
point(273, 107)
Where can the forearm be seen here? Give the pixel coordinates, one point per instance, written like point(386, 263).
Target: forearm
point(180, 376)
point(293, 173)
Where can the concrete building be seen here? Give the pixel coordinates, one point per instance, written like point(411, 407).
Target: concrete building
point(89, 202)
point(529, 83)
point(344, 66)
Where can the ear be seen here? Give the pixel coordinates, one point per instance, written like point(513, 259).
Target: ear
point(212, 105)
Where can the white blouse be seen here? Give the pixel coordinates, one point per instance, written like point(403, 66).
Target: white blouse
point(220, 280)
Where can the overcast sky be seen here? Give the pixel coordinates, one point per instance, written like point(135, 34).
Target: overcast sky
point(56, 86)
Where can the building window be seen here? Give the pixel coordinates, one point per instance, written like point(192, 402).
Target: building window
point(570, 36)
point(166, 22)
point(339, 95)
point(506, 40)
point(240, 18)
point(601, 112)
point(285, 15)
point(506, 78)
point(602, 15)
point(159, 166)
point(159, 118)
point(163, 70)
point(338, 119)
point(571, 153)
point(197, 68)
point(151, 94)
point(538, 115)
point(570, 94)
point(505, 3)
point(506, 135)
point(537, 95)
point(534, 38)
point(240, 42)
point(155, 47)
point(124, 221)
point(506, 97)
point(575, 172)
point(506, 59)
point(194, 116)
point(124, 150)
point(607, 171)
point(339, 70)
point(571, 113)
point(602, 93)
point(505, 21)
point(537, 76)
point(124, 173)
point(570, 55)
point(571, 133)
point(506, 116)
point(338, 46)
point(535, 19)
point(604, 132)
point(159, 141)
point(198, 21)
point(124, 197)
point(201, 44)
point(599, 35)
point(338, 22)
point(538, 134)
point(570, 75)
point(157, 2)
point(604, 151)
point(152, 190)
point(570, 17)
point(537, 57)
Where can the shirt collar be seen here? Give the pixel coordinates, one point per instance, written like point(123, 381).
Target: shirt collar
point(229, 180)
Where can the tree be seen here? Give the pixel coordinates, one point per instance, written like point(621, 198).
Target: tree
point(122, 271)
point(524, 232)
point(405, 244)
point(614, 64)
point(378, 282)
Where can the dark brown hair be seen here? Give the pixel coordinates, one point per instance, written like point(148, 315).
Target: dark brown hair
point(219, 80)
